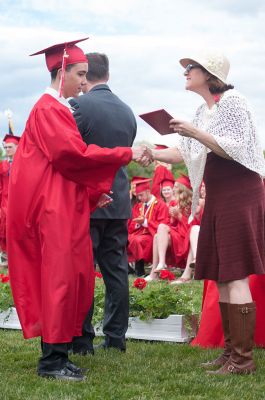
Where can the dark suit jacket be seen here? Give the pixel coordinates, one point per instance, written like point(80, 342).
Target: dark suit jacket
point(103, 119)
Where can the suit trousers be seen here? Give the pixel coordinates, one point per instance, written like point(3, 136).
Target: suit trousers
point(54, 356)
point(109, 239)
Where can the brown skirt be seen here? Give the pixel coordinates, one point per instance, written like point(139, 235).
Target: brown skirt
point(231, 243)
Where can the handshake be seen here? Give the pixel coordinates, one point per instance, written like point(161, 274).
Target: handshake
point(143, 155)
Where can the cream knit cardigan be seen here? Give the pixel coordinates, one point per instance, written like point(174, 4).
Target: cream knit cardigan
point(231, 123)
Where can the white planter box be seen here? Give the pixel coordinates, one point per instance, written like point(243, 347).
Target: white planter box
point(9, 319)
point(171, 329)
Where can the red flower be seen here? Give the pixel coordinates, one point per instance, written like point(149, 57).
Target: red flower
point(140, 283)
point(98, 275)
point(4, 278)
point(167, 275)
point(216, 98)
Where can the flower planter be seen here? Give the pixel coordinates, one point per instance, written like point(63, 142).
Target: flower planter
point(9, 319)
point(175, 328)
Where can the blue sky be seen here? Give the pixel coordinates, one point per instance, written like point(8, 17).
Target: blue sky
point(144, 41)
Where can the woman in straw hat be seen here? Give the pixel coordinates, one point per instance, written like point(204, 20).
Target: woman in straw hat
point(221, 147)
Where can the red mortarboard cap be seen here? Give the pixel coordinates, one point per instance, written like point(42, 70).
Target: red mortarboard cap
point(142, 185)
point(137, 179)
point(160, 147)
point(184, 180)
point(11, 139)
point(167, 182)
point(54, 54)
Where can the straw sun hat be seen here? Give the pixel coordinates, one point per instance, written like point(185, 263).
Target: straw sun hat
point(214, 62)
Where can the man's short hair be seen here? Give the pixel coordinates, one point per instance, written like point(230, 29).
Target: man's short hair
point(98, 67)
point(54, 72)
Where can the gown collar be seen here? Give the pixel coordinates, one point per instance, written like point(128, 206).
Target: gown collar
point(52, 92)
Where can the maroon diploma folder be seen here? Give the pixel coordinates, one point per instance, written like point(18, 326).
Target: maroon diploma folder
point(159, 120)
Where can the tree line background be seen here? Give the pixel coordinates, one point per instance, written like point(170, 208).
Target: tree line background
point(135, 169)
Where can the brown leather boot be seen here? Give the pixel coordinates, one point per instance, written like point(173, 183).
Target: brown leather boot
point(223, 358)
point(242, 320)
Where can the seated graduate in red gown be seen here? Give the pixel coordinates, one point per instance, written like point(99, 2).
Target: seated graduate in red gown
point(56, 181)
point(175, 236)
point(10, 146)
point(179, 234)
point(162, 171)
point(167, 194)
point(146, 216)
point(210, 333)
point(193, 235)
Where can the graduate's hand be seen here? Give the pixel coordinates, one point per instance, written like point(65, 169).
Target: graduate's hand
point(104, 201)
point(137, 153)
point(171, 211)
point(139, 220)
point(174, 211)
point(147, 157)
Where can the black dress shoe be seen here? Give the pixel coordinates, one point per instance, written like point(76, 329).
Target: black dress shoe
point(70, 365)
point(64, 374)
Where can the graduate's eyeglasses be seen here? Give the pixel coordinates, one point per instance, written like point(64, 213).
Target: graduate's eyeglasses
point(8, 147)
point(189, 67)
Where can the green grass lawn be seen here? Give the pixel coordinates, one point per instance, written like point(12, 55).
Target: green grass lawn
point(147, 371)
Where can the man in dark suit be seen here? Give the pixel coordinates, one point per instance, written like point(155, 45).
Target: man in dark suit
point(105, 120)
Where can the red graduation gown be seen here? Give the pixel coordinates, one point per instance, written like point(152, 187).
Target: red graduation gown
point(210, 332)
point(161, 173)
point(4, 179)
point(172, 220)
point(140, 238)
point(179, 236)
point(180, 239)
point(55, 178)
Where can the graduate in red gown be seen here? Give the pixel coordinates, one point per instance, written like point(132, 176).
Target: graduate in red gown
point(146, 216)
point(180, 232)
point(10, 146)
point(190, 233)
point(162, 172)
point(167, 194)
point(210, 333)
point(56, 181)
point(172, 241)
